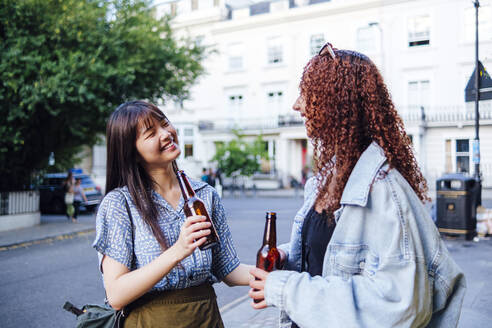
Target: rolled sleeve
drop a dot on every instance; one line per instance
(114, 230)
(274, 287)
(225, 258)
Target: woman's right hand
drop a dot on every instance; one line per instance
(193, 233)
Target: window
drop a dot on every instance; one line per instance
(235, 53)
(216, 3)
(274, 51)
(316, 42)
(219, 144)
(188, 132)
(275, 95)
(194, 5)
(178, 103)
(235, 101)
(484, 23)
(366, 39)
(199, 40)
(313, 2)
(259, 8)
(418, 95)
(275, 102)
(188, 150)
(419, 31)
(174, 9)
(463, 155)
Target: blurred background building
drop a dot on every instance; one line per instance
(424, 49)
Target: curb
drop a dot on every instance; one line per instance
(45, 240)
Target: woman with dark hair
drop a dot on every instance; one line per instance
(364, 251)
(148, 249)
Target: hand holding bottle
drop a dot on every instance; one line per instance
(257, 291)
(193, 233)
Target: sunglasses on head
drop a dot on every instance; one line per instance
(328, 49)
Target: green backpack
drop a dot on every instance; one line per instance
(97, 316)
(100, 316)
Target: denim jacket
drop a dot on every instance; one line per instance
(385, 265)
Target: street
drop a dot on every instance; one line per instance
(35, 281)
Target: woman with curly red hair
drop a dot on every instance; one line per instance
(364, 251)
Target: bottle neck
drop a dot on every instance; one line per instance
(185, 186)
(270, 234)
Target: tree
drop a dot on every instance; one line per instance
(240, 157)
(66, 64)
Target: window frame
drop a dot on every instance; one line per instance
(414, 40)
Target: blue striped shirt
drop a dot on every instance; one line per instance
(114, 238)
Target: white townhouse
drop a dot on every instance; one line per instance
(424, 49)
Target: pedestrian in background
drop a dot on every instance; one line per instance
(304, 175)
(68, 185)
(218, 176)
(364, 252)
(79, 197)
(218, 182)
(149, 251)
(205, 177)
(211, 177)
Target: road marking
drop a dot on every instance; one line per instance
(47, 240)
(232, 304)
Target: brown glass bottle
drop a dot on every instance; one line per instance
(268, 256)
(195, 206)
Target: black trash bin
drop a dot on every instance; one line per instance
(456, 204)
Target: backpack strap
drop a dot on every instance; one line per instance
(132, 226)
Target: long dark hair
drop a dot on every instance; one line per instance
(123, 165)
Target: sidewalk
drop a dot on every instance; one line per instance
(52, 227)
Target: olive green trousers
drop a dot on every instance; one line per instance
(184, 308)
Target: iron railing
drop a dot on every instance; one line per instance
(435, 115)
(17, 202)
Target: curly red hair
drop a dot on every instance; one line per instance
(347, 107)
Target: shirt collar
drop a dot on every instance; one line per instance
(197, 184)
(357, 189)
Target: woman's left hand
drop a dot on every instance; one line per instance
(257, 291)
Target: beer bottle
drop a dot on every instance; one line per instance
(195, 206)
(268, 256)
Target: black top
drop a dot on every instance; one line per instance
(316, 234)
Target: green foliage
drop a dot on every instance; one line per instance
(240, 157)
(66, 64)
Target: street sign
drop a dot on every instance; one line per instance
(485, 83)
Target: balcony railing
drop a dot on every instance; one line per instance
(446, 115)
(17, 202)
(251, 124)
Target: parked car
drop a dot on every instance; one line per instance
(52, 195)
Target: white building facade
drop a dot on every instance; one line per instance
(424, 49)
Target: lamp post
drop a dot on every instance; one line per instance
(476, 142)
(51, 159)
